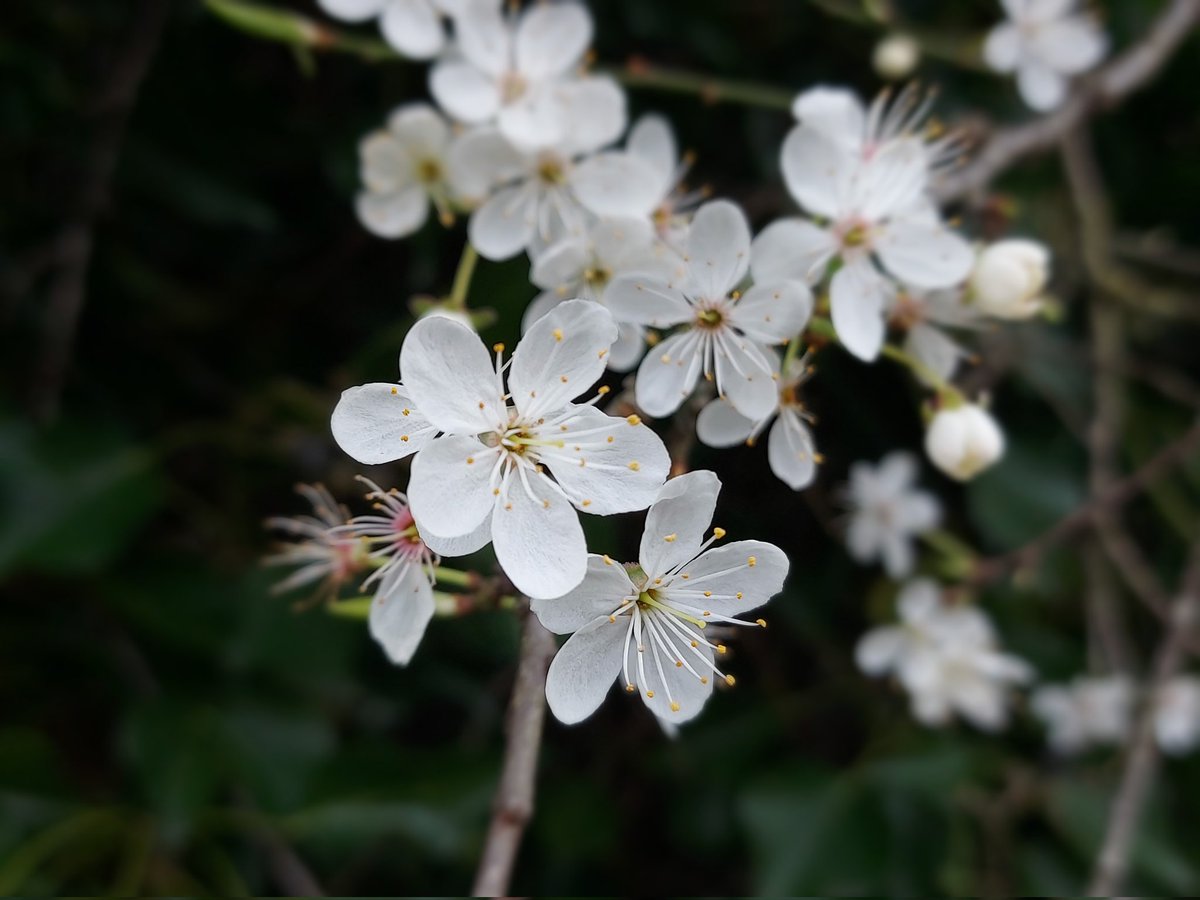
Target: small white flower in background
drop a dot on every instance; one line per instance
(924, 316)
(874, 208)
(320, 553)
(1009, 278)
(964, 440)
(652, 142)
(585, 267)
(404, 169)
(521, 73)
(412, 27)
(725, 334)
(946, 657)
(1045, 42)
(648, 624)
(403, 580)
(1177, 715)
(791, 451)
(895, 56)
(887, 511)
(1087, 712)
(513, 473)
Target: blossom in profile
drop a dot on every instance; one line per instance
(722, 333)
(1087, 712)
(1177, 715)
(927, 318)
(791, 449)
(1009, 278)
(649, 626)
(405, 169)
(945, 656)
(1045, 42)
(887, 512)
(323, 557)
(964, 440)
(514, 463)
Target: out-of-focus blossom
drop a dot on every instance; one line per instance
(1087, 712)
(320, 554)
(964, 440)
(1009, 278)
(1177, 715)
(887, 511)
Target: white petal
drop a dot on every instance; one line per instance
(463, 91)
(835, 112)
(413, 28)
(604, 588)
(485, 38)
(627, 352)
(744, 376)
(718, 249)
(459, 545)
(536, 121)
(674, 684)
(863, 538)
(898, 555)
(772, 313)
(393, 215)
(893, 180)
(677, 521)
(537, 538)
(924, 254)
(384, 163)
(352, 10)
(562, 266)
(879, 649)
(603, 476)
(668, 374)
(379, 423)
(616, 184)
(560, 357)
(720, 425)
(790, 451)
(652, 141)
(505, 224)
(1002, 49)
(726, 573)
(935, 349)
(538, 307)
(1070, 45)
(791, 249)
(551, 38)
(646, 300)
(399, 618)
(450, 377)
(583, 671)
(1041, 87)
(594, 113)
(450, 496)
(918, 513)
(857, 297)
(479, 159)
(817, 171)
(420, 129)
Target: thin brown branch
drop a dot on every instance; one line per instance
(1104, 89)
(71, 250)
(513, 804)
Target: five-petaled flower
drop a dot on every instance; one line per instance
(647, 625)
(887, 511)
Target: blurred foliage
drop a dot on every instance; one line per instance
(170, 728)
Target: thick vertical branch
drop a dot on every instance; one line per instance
(513, 804)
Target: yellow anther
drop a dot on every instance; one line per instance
(674, 706)
(562, 378)
(586, 503)
(685, 576)
(670, 538)
(718, 533)
(658, 581)
(721, 648)
(707, 612)
(470, 460)
(666, 358)
(708, 593)
(508, 506)
(406, 411)
(629, 689)
(634, 419)
(738, 595)
(752, 561)
(495, 492)
(498, 347)
(762, 623)
(650, 694)
(610, 439)
(635, 465)
(603, 389)
(818, 458)
(704, 679)
(558, 335)
(602, 354)
(679, 663)
(695, 643)
(612, 618)
(729, 680)
(607, 560)
(404, 437)
(533, 393)
(545, 504)
(395, 390)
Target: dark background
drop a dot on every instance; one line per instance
(168, 727)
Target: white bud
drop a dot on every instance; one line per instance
(964, 441)
(1009, 278)
(896, 56)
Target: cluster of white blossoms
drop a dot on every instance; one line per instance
(1098, 711)
(630, 271)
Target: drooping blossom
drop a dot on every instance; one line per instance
(1045, 42)
(946, 658)
(887, 512)
(791, 450)
(1085, 713)
(319, 553)
(925, 318)
(722, 334)
(647, 625)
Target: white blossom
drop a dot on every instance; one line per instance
(791, 450)
(520, 72)
(1009, 278)
(1044, 42)
(319, 553)
(887, 511)
(667, 200)
(1087, 712)
(924, 317)
(412, 27)
(511, 465)
(964, 440)
(648, 624)
(873, 208)
(1177, 715)
(896, 55)
(724, 333)
(946, 658)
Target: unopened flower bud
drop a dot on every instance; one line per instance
(963, 441)
(1009, 278)
(896, 56)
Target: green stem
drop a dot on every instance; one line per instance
(455, 577)
(946, 391)
(708, 89)
(353, 608)
(287, 27)
(462, 278)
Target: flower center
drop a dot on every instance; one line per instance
(856, 236)
(512, 87)
(597, 276)
(711, 318)
(429, 171)
(551, 171)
